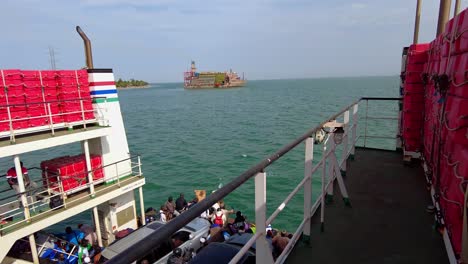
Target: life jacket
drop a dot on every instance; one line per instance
(219, 220)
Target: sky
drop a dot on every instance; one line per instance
(155, 40)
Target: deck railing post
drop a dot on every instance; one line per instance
(142, 206)
(62, 191)
(88, 167)
(139, 166)
(354, 130)
(21, 187)
(345, 142)
(365, 125)
(51, 121)
(117, 174)
(32, 244)
(322, 194)
(263, 252)
(97, 225)
(331, 171)
(46, 173)
(309, 156)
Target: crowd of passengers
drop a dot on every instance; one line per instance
(222, 226)
(74, 246)
(82, 241)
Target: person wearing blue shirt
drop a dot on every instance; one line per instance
(72, 236)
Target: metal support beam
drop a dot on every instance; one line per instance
(444, 14)
(416, 22)
(22, 189)
(309, 156)
(365, 123)
(339, 179)
(97, 225)
(345, 141)
(322, 194)
(331, 166)
(263, 252)
(88, 167)
(32, 243)
(142, 206)
(354, 130)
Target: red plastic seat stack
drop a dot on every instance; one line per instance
(431, 102)
(446, 123)
(453, 142)
(33, 92)
(71, 171)
(413, 97)
(31, 95)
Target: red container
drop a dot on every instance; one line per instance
(417, 48)
(418, 58)
(459, 76)
(412, 144)
(460, 44)
(415, 67)
(413, 77)
(414, 88)
(413, 104)
(71, 170)
(447, 38)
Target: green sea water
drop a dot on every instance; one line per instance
(202, 139)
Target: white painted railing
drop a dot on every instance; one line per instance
(21, 213)
(48, 115)
(334, 172)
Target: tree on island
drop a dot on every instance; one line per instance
(130, 83)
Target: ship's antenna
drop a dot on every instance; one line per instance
(416, 22)
(52, 58)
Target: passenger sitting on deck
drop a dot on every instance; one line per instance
(181, 203)
(279, 242)
(150, 214)
(170, 244)
(193, 202)
(219, 218)
(170, 206)
(239, 217)
(83, 252)
(162, 214)
(89, 233)
(12, 179)
(225, 211)
(241, 229)
(176, 257)
(72, 236)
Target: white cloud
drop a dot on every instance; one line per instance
(358, 6)
(126, 2)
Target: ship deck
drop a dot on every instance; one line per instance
(387, 223)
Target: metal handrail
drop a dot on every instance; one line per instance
(135, 251)
(382, 118)
(49, 116)
(135, 171)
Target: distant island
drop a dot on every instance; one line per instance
(132, 83)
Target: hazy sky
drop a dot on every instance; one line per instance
(155, 40)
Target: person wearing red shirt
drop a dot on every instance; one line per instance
(12, 179)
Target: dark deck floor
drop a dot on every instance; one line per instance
(387, 223)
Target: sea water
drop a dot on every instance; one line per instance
(201, 139)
